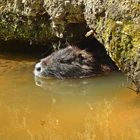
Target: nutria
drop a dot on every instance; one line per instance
(69, 62)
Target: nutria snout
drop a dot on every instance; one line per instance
(68, 62)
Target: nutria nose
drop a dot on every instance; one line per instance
(38, 69)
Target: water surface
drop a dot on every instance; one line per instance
(99, 108)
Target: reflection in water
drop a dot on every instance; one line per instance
(93, 85)
(99, 108)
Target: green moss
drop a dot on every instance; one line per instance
(14, 26)
(122, 41)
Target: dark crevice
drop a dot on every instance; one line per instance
(89, 44)
(22, 47)
(93, 46)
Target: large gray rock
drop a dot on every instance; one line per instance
(115, 23)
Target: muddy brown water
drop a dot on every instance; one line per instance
(99, 108)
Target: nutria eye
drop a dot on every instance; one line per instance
(38, 68)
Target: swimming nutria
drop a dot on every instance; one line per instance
(69, 62)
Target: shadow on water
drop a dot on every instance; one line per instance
(19, 50)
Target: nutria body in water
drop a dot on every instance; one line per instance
(69, 62)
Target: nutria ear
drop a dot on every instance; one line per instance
(82, 54)
(81, 58)
(70, 47)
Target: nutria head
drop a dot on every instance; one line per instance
(65, 63)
